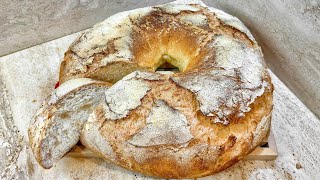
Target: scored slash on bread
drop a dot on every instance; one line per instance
(56, 126)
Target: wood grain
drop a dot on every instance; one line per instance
(265, 153)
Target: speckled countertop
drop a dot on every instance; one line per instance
(28, 76)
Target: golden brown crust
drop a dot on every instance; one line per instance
(151, 36)
(213, 148)
(220, 102)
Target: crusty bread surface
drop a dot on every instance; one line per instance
(160, 131)
(142, 39)
(193, 123)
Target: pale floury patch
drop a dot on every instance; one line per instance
(164, 126)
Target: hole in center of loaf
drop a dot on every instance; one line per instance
(168, 63)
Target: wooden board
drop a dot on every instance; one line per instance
(266, 151)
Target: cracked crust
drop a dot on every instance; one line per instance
(223, 89)
(143, 141)
(201, 41)
(137, 39)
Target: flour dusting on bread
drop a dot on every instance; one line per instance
(93, 139)
(177, 8)
(232, 21)
(233, 54)
(164, 126)
(56, 127)
(188, 124)
(124, 96)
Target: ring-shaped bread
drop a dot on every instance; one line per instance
(193, 123)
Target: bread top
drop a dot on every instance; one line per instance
(217, 56)
(222, 95)
(183, 30)
(114, 38)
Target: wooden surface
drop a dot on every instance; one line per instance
(28, 76)
(267, 150)
(263, 152)
(260, 153)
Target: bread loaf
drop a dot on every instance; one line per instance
(56, 126)
(193, 123)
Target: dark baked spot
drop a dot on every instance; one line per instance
(85, 106)
(65, 115)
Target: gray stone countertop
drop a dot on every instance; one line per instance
(28, 76)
